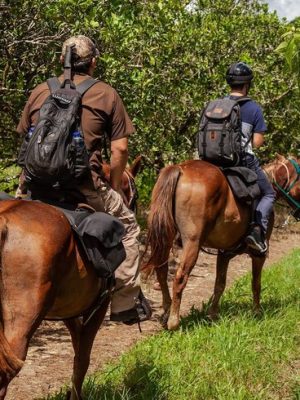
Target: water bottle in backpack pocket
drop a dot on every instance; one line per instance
(81, 158)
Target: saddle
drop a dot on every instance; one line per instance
(99, 235)
(243, 183)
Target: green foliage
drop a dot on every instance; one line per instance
(240, 357)
(9, 177)
(166, 59)
(290, 49)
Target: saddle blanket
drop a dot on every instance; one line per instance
(243, 183)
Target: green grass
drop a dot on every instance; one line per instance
(239, 357)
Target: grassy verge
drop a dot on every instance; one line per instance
(239, 357)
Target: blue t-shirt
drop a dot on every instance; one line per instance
(252, 122)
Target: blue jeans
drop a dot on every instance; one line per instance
(265, 204)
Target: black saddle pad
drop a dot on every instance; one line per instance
(101, 236)
(243, 183)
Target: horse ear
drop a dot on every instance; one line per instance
(136, 165)
(279, 157)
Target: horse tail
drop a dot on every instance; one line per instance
(161, 223)
(10, 364)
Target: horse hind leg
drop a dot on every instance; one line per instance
(82, 339)
(162, 277)
(189, 257)
(220, 284)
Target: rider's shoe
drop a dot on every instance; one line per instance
(256, 240)
(140, 312)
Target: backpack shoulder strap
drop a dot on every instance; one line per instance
(243, 99)
(86, 85)
(53, 84)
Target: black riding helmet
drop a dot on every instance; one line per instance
(239, 73)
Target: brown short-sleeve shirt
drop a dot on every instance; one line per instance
(102, 111)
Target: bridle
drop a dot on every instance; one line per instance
(285, 191)
(133, 193)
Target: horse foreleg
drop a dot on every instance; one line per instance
(82, 339)
(220, 284)
(257, 265)
(188, 260)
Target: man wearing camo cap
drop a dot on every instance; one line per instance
(103, 112)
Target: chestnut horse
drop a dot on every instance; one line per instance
(44, 275)
(195, 201)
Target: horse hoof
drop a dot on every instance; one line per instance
(68, 396)
(257, 311)
(213, 313)
(213, 316)
(163, 319)
(173, 324)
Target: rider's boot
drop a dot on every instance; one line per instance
(141, 312)
(256, 240)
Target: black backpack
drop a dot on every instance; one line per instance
(55, 155)
(220, 132)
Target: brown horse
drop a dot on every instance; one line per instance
(194, 200)
(44, 275)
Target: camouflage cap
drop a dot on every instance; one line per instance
(84, 47)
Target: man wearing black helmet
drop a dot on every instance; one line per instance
(239, 76)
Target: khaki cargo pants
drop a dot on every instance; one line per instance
(104, 198)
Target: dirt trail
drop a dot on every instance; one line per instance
(49, 361)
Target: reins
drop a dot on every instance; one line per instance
(286, 191)
(133, 196)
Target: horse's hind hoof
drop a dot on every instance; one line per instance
(257, 312)
(213, 314)
(68, 396)
(213, 317)
(173, 324)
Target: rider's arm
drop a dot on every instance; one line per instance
(259, 128)
(118, 161)
(121, 128)
(258, 139)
